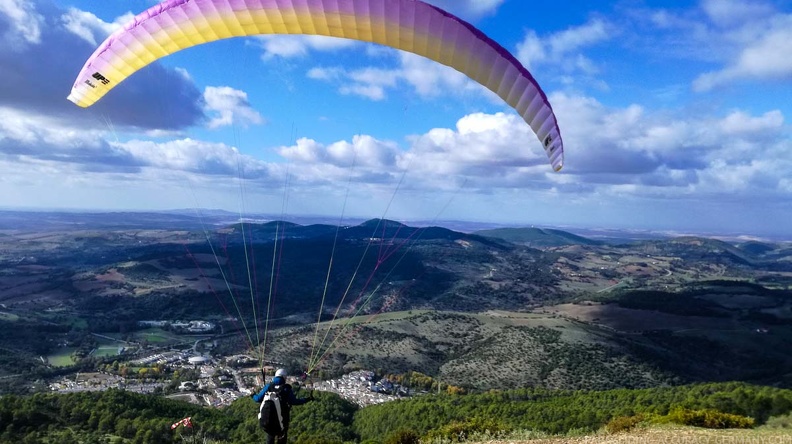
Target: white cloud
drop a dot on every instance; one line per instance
(674, 155)
(193, 156)
(369, 91)
(724, 177)
(25, 22)
(763, 57)
(426, 77)
(369, 82)
(739, 122)
(610, 152)
(496, 150)
(31, 129)
(34, 139)
(35, 77)
(229, 106)
(488, 149)
(288, 46)
(627, 154)
(563, 48)
(731, 12)
(364, 151)
(573, 39)
(746, 40)
(318, 73)
(89, 27)
(184, 73)
(430, 78)
(531, 49)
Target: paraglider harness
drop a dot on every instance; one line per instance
(275, 407)
(274, 410)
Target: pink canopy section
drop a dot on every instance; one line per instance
(408, 25)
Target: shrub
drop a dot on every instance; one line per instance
(403, 437)
(779, 422)
(461, 431)
(711, 419)
(623, 423)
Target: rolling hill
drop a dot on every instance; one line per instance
(538, 237)
(572, 313)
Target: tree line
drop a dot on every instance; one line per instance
(117, 416)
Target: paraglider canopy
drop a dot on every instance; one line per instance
(408, 25)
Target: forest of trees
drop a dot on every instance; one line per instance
(117, 416)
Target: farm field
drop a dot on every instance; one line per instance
(62, 358)
(160, 337)
(104, 351)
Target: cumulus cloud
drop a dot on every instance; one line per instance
(486, 150)
(288, 46)
(131, 175)
(31, 129)
(369, 82)
(229, 106)
(31, 138)
(739, 122)
(89, 27)
(39, 140)
(430, 78)
(674, 154)
(426, 77)
(745, 40)
(625, 154)
(365, 159)
(481, 145)
(564, 48)
(38, 79)
(20, 23)
(190, 155)
(731, 12)
(611, 152)
(763, 57)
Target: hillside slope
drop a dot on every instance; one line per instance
(537, 237)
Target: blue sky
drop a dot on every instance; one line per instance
(675, 117)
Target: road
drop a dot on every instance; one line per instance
(113, 339)
(610, 288)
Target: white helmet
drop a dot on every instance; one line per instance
(281, 372)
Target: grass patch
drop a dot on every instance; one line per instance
(106, 350)
(80, 324)
(63, 318)
(8, 317)
(653, 434)
(62, 358)
(156, 336)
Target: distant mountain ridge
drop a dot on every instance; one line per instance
(375, 230)
(538, 237)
